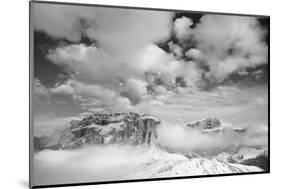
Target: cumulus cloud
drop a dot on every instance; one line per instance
(134, 90)
(176, 49)
(112, 28)
(91, 64)
(120, 37)
(195, 54)
(226, 43)
(125, 70)
(119, 58)
(40, 91)
(93, 97)
(47, 16)
(94, 65)
(182, 28)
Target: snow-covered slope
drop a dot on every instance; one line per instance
(158, 163)
(242, 154)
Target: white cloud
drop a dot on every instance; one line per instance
(151, 58)
(91, 64)
(124, 70)
(227, 43)
(93, 97)
(39, 91)
(194, 54)
(112, 28)
(59, 21)
(47, 124)
(176, 49)
(182, 28)
(121, 36)
(228, 103)
(178, 137)
(134, 90)
(89, 164)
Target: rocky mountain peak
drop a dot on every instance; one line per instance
(130, 128)
(205, 124)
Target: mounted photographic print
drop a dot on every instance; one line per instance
(122, 94)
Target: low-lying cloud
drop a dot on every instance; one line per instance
(178, 137)
(89, 164)
(116, 162)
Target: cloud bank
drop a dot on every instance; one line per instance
(185, 140)
(89, 164)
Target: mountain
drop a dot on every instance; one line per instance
(159, 163)
(126, 128)
(259, 161)
(212, 125)
(205, 124)
(247, 156)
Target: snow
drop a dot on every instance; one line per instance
(157, 163)
(107, 128)
(149, 117)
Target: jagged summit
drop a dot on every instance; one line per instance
(117, 128)
(205, 124)
(135, 129)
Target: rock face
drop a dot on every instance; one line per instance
(40, 143)
(205, 125)
(129, 128)
(212, 125)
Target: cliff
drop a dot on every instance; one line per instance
(102, 129)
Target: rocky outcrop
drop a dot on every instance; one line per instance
(102, 129)
(40, 142)
(213, 125)
(118, 128)
(204, 125)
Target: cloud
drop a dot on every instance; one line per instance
(182, 28)
(125, 70)
(177, 137)
(228, 44)
(229, 103)
(134, 90)
(120, 36)
(195, 54)
(40, 92)
(47, 124)
(91, 64)
(93, 97)
(70, 27)
(258, 72)
(176, 49)
(95, 163)
(112, 28)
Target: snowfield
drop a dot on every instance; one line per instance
(158, 163)
(115, 162)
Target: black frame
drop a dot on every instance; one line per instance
(31, 63)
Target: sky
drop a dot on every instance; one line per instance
(173, 65)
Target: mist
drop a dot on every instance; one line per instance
(178, 137)
(89, 164)
(119, 162)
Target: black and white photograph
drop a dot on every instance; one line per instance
(127, 94)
